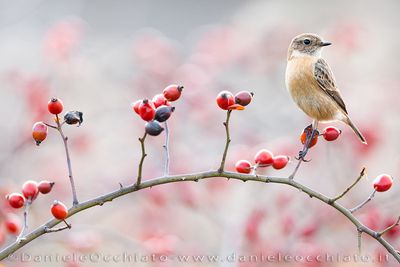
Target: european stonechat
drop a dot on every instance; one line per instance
(311, 84)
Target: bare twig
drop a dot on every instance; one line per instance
(381, 233)
(67, 226)
(166, 147)
(362, 173)
(51, 126)
(140, 168)
(71, 178)
(100, 200)
(228, 140)
(363, 203)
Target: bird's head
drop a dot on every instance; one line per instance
(306, 44)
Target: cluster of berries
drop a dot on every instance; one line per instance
(263, 158)
(227, 101)
(158, 109)
(55, 107)
(30, 191)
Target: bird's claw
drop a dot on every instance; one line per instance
(302, 155)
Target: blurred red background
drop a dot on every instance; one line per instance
(100, 56)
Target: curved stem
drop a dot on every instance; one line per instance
(140, 168)
(71, 178)
(228, 140)
(166, 147)
(99, 201)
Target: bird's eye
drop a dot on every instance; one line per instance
(307, 41)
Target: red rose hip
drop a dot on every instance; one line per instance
(135, 106)
(264, 158)
(280, 162)
(172, 92)
(303, 137)
(243, 98)
(39, 132)
(243, 166)
(16, 200)
(331, 133)
(160, 100)
(12, 224)
(45, 187)
(30, 190)
(383, 183)
(225, 99)
(59, 210)
(55, 106)
(147, 110)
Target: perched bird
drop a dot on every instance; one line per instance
(311, 84)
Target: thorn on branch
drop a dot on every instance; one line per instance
(359, 234)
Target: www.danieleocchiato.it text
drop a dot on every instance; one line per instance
(126, 257)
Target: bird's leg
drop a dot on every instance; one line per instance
(311, 131)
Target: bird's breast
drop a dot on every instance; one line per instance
(305, 90)
(300, 74)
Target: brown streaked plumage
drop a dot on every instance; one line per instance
(311, 84)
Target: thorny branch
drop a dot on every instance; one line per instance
(48, 227)
(100, 200)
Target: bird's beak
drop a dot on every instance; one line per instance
(325, 43)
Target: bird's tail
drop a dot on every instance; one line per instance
(355, 129)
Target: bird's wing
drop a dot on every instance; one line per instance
(326, 82)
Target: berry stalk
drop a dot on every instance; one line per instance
(140, 169)
(228, 140)
(25, 226)
(363, 203)
(71, 178)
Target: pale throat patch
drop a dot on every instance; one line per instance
(297, 53)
